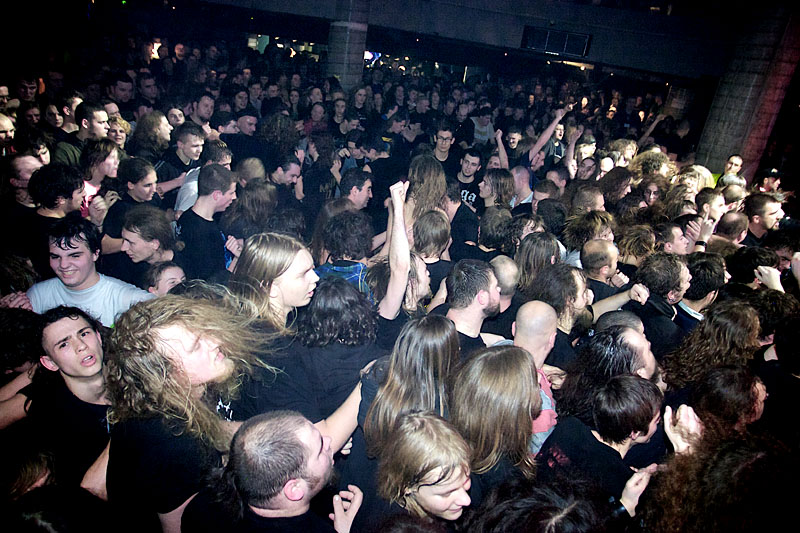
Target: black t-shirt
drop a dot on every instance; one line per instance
(38, 246)
(562, 353)
(439, 271)
(17, 216)
(470, 192)
(74, 431)
(601, 290)
(389, 330)
(115, 219)
(154, 468)
(572, 448)
(501, 324)
(452, 165)
(469, 344)
(205, 245)
(205, 515)
(464, 226)
(171, 167)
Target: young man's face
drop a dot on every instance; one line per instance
(144, 189)
(319, 462)
(199, 358)
(98, 125)
(247, 124)
(122, 91)
(470, 165)
(74, 202)
(288, 176)
(444, 140)
(73, 348)
(513, 139)
(149, 89)
(227, 198)
(773, 213)
(204, 108)
(137, 248)
(295, 287)
(75, 267)
(191, 147)
(733, 165)
(361, 197)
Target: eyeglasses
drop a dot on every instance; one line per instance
(443, 139)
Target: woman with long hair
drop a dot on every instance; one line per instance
(494, 400)
(171, 363)
(320, 179)
(151, 138)
(728, 334)
(413, 378)
(330, 208)
(425, 468)
(536, 251)
(497, 188)
(248, 214)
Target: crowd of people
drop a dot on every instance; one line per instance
(238, 297)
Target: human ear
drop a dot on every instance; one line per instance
(48, 363)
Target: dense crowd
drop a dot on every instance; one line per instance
(236, 297)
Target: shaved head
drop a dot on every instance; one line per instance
(535, 329)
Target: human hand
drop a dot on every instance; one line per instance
(344, 152)
(398, 193)
(770, 277)
(98, 210)
(634, 489)
(575, 135)
(563, 111)
(348, 447)
(619, 279)
(639, 293)
(683, 428)
(234, 245)
(345, 507)
(300, 154)
(498, 136)
(16, 300)
(336, 166)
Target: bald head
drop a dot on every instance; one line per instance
(535, 329)
(507, 273)
(599, 257)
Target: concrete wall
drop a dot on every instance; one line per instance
(636, 40)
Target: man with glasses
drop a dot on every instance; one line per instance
(443, 142)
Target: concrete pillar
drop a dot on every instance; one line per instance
(347, 41)
(751, 91)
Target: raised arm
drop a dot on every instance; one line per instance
(569, 153)
(548, 132)
(342, 422)
(399, 255)
(501, 149)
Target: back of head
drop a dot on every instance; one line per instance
(535, 252)
(557, 285)
(467, 278)
(636, 241)
(747, 259)
(708, 275)
(596, 254)
(214, 177)
(725, 397)
(427, 183)
(507, 274)
(618, 317)
(585, 227)
(250, 169)
(731, 225)
(431, 234)
(266, 453)
(660, 273)
(53, 181)
(625, 404)
(494, 399)
(554, 215)
(348, 235)
(494, 228)
(338, 314)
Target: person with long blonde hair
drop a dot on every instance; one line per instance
(493, 401)
(173, 364)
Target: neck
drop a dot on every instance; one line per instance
(441, 156)
(205, 207)
(96, 178)
(69, 126)
(89, 390)
(505, 302)
(758, 231)
(523, 192)
(51, 213)
(21, 196)
(183, 157)
(566, 322)
(697, 306)
(160, 256)
(83, 134)
(621, 448)
(465, 179)
(292, 509)
(197, 120)
(468, 320)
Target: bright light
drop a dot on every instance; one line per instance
(279, 45)
(292, 52)
(406, 58)
(583, 68)
(154, 55)
(403, 68)
(368, 55)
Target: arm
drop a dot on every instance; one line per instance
(569, 153)
(638, 293)
(501, 149)
(110, 245)
(342, 422)
(95, 478)
(171, 521)
(548, 132)
(12, 410)
(166, 186)
(649, 131)
(399, 256)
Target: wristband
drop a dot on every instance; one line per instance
(701, 243)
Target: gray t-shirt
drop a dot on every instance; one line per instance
(105, 300)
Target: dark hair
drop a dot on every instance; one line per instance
(554, 215)
(660, 272)
(21, 338)
(618, 317)
(605, 355)
(354, 177)
(86, 111)
(706, 196)
(772, 306)
(188, 129)
(547, 187)
(214, 151)
(724, 396)
(756, 203)
(614, 184)
(535, 252)
(72, 229)
(151, 223)
(494, 226)
(96, 152)
(134, 169)
(556, 285)
(466, 279)
(453, 191)
(290, 222)
(708, 274)
(55, 314)
(664, 233)
(747, 259)
(214, 177)
(54, 181)
(785, 339)
(338, 313)
(625, 404)
(154, 272)
(431, 233)
(348, 234)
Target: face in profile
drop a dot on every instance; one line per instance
(446, 498)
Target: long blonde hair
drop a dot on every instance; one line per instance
(144, 380)
(264, 258)
(427, 184)
(493, 402)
